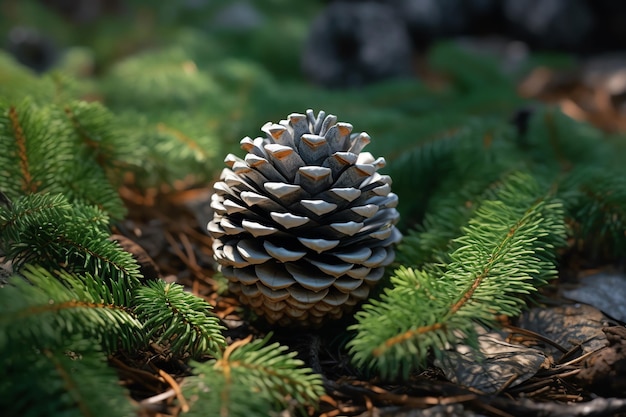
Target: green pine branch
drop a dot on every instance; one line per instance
(46, 229)
(178, 319)
(595, 198)
(44, 149)
(555, 142)
(251, 377)
(96, 134)
(436, 164)
(71, 380)
(431, 241)
(101, 154)
(507, 251)
(42, 308)
(33, 152)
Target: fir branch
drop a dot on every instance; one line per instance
(35, 208)
(72, 380)
(508, 249)
(47, 230)
(42, 309)
(418, 168)
(41, 150)
(95, 132)
(20, 141)
(92, 216)
(559, 143)
(85, 184)
(249, 378)
(174, 146)
(448, 211)
(99, 152)
(33, 150)
(437, 164)
(178, 318)
(595, 199)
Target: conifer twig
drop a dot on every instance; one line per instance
(508, 248)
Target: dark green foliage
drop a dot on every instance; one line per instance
(555, 142)
(54, 331)
(97, 138)
(31, 155)
(251, 369)
(443, 154)
(596, 200)
(477, 72)
(586, 168)
(12, 74)
(47, 149)
(46, 229)
(175, 147)
(179, 319)
(73, 381)
(168, 78)
(43, 308)
(169, 109)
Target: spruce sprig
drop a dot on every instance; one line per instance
(178, 319)
(431, 241)
(506, 251)
(71, 380)
(33, 150)
(43, 308)
(95, 134)
(251, 377)
(595, 198)
(46, 229)
(48, 149)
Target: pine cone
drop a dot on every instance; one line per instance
(303, 226)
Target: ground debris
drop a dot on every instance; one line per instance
(604, 372)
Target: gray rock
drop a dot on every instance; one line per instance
(354, 44)
(550, 24)
(32, 48)
(428, 20)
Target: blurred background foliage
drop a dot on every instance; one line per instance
(186, 80)
(184, 87)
